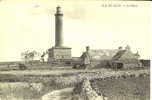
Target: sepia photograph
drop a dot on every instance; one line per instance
(74, 50)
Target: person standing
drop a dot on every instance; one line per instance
(86, 58)
(42, 57)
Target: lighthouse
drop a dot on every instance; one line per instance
(59, 51)
(59, 28)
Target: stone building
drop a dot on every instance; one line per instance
(125, 59)
(100, 57)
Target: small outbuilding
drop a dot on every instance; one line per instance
(125, 59)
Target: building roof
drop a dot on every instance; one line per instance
(125, 55)
(118, 54)
(103, 54)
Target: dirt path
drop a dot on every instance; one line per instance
(63, 94)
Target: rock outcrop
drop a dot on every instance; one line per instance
(84, 91)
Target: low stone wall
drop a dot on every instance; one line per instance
(84, 91)
(145, 62)
(72, 80)
(129, 66)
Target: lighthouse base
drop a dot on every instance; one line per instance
(59, 53)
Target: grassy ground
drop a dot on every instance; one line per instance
(119, 89)
(124, 89)
(115, 88)
(19, 91)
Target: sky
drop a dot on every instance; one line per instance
(30, 25)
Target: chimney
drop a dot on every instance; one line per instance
(127, 48)
(120, 48)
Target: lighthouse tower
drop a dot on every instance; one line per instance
(58, 28)
(59, 51)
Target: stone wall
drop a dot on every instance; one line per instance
(84, 91)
